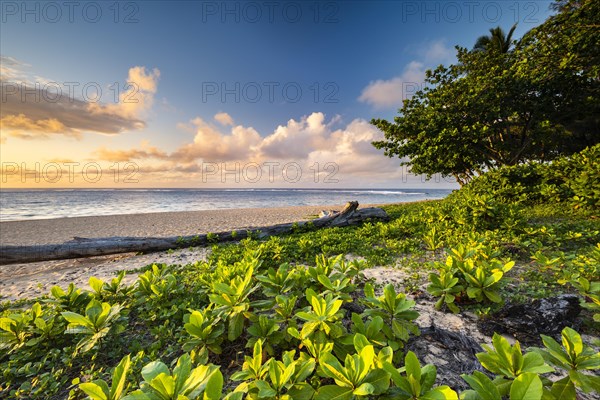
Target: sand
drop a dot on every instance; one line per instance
(30, 280)
(44, 231)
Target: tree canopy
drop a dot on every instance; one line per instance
(497, 40)
(536, 101)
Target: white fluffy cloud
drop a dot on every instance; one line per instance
(210, 144)
(309, 140)
(223, 118)
(389, 93)
(296, 139)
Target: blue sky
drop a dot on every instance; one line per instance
(193, 60)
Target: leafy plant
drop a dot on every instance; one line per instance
(508, 361)
(72, 300)
(338, 286)
(206, 331)
(99, 389)
(323, 316)
(113, 287)
(267, 329)
(98, 321)
(181, 384)
(254, 369)
(371, 330)
(432, 239)
(233, 302)
(396, 312)
(445, 285)
(590, 293)
(418, 382)
(286, 379)
(324, 266)
(157, 285)
(14, 330)
(574, 357)
(358, 377)
(277, 282)
(483, 281)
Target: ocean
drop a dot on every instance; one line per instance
(22, 204)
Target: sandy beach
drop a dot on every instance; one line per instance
(34, 279)
(43, 231)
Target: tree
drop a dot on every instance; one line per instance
(503, 108)
(496, 41)
(562, 59)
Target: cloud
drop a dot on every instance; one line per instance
(40, 110)
(390, 93)
(25, 128)
(297, 139)
(211, 144)
(12, 69)
(147, 151)
(306, 141)
(223, 118)
(136, 99)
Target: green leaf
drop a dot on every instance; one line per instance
(482, 385)
(527, 386)
(96, 284)
(153, 369)
(76, 319)
(572, 341)
(534, 362)
(137, 395)
(164, 384)
(493, 296)
(473, 292)
(563, 389)
(364, 390)
(264, 389)
(360, 341)
(333, 392)
(301, 391)
(379, 379)
(333, 369)
(119, 377)
(236, 327)
(413, 367)
(440, 393)
(181, 372)
(428, 375)
(214, 386)
(94, 391)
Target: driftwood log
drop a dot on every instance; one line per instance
(88, 247)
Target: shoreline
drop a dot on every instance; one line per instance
(156, 224)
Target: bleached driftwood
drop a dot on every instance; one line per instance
(88, 247)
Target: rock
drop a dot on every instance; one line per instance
(453, 354)
(526, 322)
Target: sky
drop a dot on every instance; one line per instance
(209, 94)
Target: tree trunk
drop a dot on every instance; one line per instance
(88, 247)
